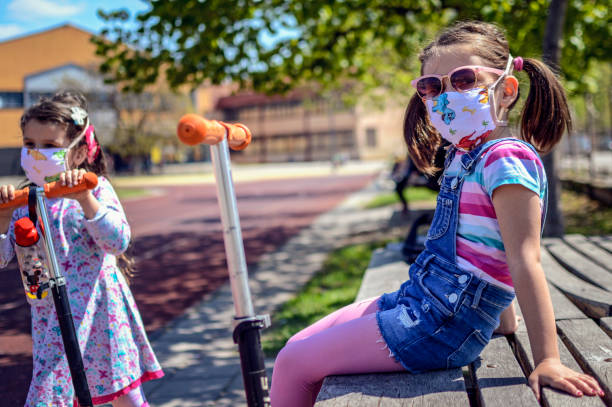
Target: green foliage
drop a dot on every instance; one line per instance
(277, 45)
(335, 286)
(412, 194)
(128, 193)
(585, 216)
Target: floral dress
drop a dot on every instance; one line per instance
(116, 352)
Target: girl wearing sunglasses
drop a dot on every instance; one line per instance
(482, 248)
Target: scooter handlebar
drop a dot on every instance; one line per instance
(53, 190)
(21, 199)
(193, 129)
(56, 189)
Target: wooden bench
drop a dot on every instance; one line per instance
(579, 271)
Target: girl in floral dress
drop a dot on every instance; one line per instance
(91, 234)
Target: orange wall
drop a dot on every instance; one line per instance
(39, 52)
(36, 53)
(9, 126)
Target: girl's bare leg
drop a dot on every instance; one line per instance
(508, 321)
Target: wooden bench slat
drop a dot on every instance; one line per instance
(439, 388)
(592, 348)
(593, 301)
(606, 325)
(553, 397)
(387, 271)
(579, 264)
(604, 242)
(591, 250)
(499, 379)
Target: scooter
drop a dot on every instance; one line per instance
(192, 130)
(35, 199)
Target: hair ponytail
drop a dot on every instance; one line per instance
(421, 137)
(545, 116)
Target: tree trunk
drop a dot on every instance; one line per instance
(551, 53)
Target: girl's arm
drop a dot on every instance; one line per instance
(7, 193)
(104, 217)
(519, 216)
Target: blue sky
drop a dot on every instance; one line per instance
(19, 17)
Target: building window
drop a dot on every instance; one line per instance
(11, 100)
(371, 139)
(34, 97)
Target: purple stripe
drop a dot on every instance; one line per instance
(511, 152)
(475, 197)
(486, 211)
(493, 267)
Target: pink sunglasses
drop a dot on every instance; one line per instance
(461, 79)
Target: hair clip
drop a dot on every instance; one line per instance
(93, 148)
(78, 115)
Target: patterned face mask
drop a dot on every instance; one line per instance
(466, 118)
(462, 118)
(42, 165)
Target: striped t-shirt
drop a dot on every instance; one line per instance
(480, 249)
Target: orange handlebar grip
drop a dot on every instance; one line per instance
(21, 199)
(238, 136)
(56, 190)
(193, 129)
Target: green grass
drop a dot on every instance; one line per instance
(412, 194)
(585, 216)
(331, 288)
(126, 193)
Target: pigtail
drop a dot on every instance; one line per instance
(421, 137)
(545, 116)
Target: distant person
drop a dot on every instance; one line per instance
(91, 234)
(483, 246)
(401, 173)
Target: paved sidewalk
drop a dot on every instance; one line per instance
(198, 355)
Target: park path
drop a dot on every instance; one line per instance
(179, 251)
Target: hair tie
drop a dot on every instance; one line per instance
(93, 148)
(518, 64)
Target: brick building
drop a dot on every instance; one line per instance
(300, 126)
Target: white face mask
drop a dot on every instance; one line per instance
(43, 165)
(467, 118)
(462, 118)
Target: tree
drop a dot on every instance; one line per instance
(145, 120)
(276, 45)
(551, 53)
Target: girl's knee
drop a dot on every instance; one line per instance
(288, 356)
(296, 337)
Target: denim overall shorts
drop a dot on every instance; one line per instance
(442, 317)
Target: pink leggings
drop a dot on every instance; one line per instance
(346, 341)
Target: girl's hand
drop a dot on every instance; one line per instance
(88, 202)
(551, 372)
(7, 193)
